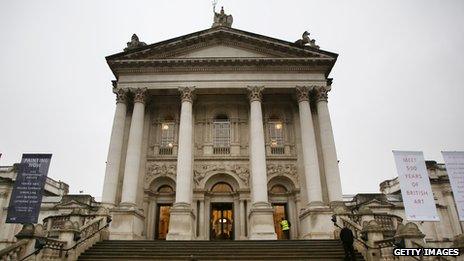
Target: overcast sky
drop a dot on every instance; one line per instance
(398, 82)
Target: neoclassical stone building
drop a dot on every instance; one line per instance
(219, 134)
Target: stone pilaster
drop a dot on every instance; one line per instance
(329, 153)
(113, 161)
(261, 212)
(181, 224)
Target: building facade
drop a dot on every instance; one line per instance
(219, 134)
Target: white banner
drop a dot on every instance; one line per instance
(454, 161)
(418, 200)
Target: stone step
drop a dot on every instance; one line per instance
(216, 250)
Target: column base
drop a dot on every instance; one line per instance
(262, 222)
(181, 222)
(316, 223)
(126, 224)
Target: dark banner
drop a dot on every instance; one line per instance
(27, 191)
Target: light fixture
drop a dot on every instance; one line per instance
(278, 126)
(170, 144)
(165, 127)
(273, 143)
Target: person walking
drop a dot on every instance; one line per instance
(347, 238)
(285, 226)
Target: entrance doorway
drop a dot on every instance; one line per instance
(280, 211)
(222, 221)
(162, 221)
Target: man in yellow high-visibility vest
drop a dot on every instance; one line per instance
(285, 226)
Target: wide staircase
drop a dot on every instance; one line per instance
(216, 250)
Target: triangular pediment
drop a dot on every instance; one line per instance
(220, 51)
(71, 204)
(222, 43)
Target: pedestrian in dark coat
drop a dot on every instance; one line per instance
(347, 238)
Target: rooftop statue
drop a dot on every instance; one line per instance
(222, 19)
(306, 40)
(134, 43)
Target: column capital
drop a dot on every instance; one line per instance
(140, 95)
(255, 93)
(186, 93)
(302, 92)
(322, 93)
(121, 95)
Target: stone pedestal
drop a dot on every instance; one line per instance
(181, 223)
(316, 223)
(127, 224)
(262, 222)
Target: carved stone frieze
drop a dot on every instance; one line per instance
(240, 170)
(155, 169)
(283, 169)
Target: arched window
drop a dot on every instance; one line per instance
(167, 136)
(221, 134)
(221, 187)
(278, 189)
(165, 189)
(276, 135)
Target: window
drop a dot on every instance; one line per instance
(276, 136)
(167, 138)
(221, 135)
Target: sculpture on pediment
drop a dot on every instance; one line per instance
(306, 40)
(240, 170)
(134, 43)
(222, 19)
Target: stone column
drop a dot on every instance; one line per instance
(181, 224)
(315, 218)
(128, 220)
(261, 212)
(114, 152)
(329, 153)
(308, 140)
(134, 150)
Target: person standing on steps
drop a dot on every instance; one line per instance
(347, 238)
(285, 226)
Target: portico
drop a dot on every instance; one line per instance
(223, 131)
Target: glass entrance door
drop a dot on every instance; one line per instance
(222, 221)
(280, 211)
(162, 222)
